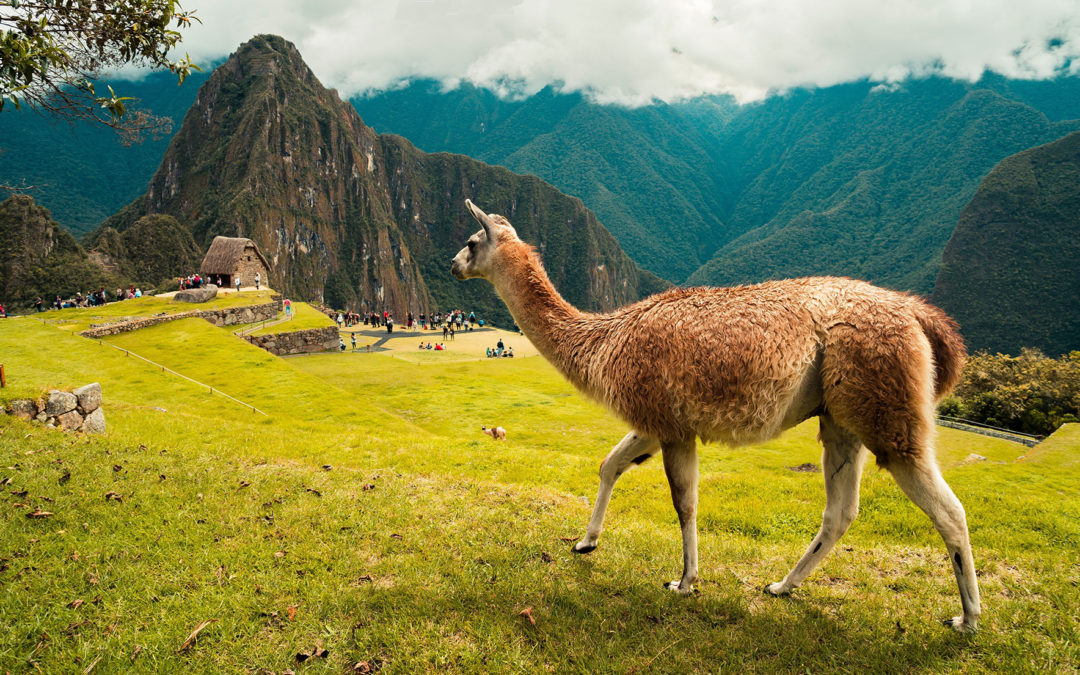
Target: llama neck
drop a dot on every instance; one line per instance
(550, 322)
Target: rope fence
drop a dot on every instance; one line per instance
(196, 382)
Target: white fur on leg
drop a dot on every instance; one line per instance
(928, 489)
(842, 463)
(681, 467)
(633, 449)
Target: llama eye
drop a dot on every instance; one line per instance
(472, 245)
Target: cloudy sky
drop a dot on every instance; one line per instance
(631, 51)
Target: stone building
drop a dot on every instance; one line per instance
(230, 257)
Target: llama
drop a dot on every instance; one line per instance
(742, 364)
(497, 433)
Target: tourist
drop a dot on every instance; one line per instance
(237, 283)
(487, 352)
(451, 332)
(390, 322)
(499, 348)
(288, 307)
(354, 341)
(257, 277)
(510, 352)
(3, 314)
(439, 347)
(38, 303)
(138, 292)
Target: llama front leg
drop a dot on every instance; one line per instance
(681, 467)
(842, 463)
(632, 450)
(923, 483)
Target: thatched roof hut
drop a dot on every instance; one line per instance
(232, 257)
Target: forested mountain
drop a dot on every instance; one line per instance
(346, 215)
(38, 258)
(855, 179)
(84, 173)
(1011, 272)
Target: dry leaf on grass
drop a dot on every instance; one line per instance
(38, 513)
(194, 634)
(292, 612)
(317, 653)
(243, 484)
(65, 478)
(74, 604)
(527, 613)
(136, 652)
(327, 467)
(117, 467)
(114, 496)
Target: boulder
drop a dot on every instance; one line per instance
(25, 408)
(94, 422)
(60, 402)
(69, 421)
(89, 397)
(197, 294)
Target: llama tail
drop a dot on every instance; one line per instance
(947, 345)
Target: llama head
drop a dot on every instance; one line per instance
(478, 257)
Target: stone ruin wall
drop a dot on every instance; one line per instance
(246, 269)
(298, 342)
(78, 410)
(228, 316)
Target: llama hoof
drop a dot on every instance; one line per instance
(676, 588)
(583, 548)
(777, 589)
(958, 624)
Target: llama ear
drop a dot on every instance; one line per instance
(484, 219)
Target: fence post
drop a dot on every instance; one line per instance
(3, 378)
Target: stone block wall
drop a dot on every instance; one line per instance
(78, 410)
(231, 316)
(298, 342)
(248, 265)
(228, 316)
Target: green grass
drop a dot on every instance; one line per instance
(79, 319)
(234, 532)
(304, 317)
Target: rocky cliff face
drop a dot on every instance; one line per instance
(346, 216)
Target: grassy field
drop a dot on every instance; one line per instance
(79, 319)
(304, 316)
(366, 515)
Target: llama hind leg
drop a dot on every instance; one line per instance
(924, 484)
(842, 464)
(632, 450)
(681, 467)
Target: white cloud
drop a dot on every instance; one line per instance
(632, 51)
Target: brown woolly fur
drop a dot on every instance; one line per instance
(742, 364)
(725, 363)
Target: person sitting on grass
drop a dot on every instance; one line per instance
(439, 347)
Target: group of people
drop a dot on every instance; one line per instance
(499, 351)
(121, 294)
(439, 346)
(90, 299)
(194, 281)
